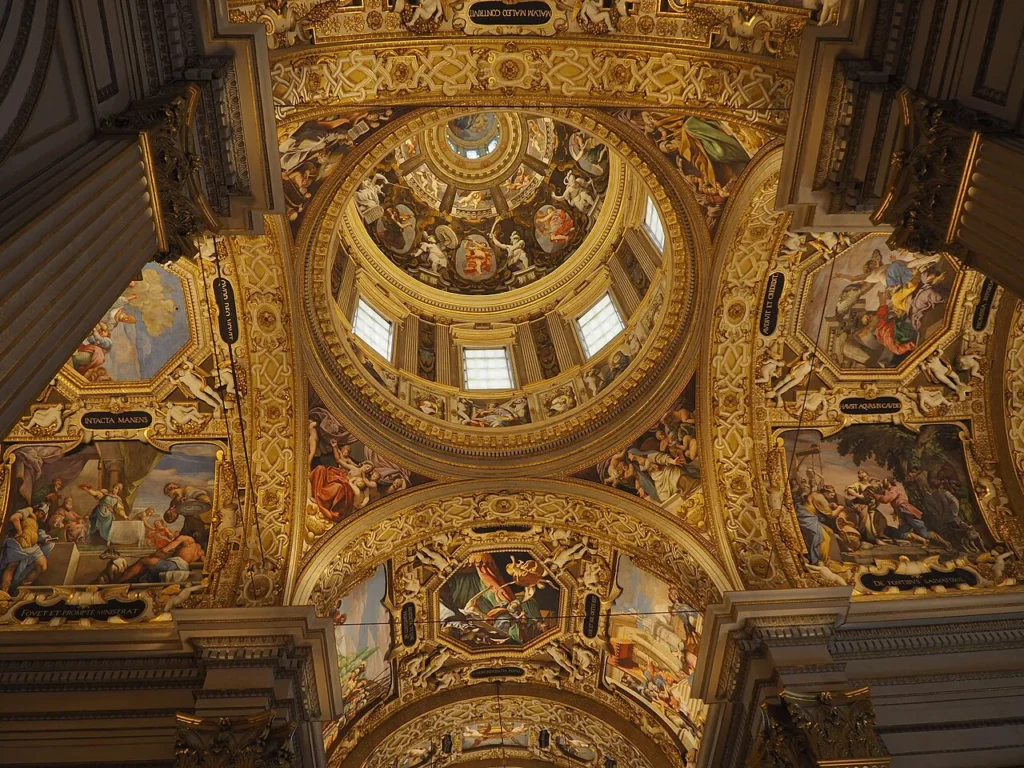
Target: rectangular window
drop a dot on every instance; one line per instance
(375, 330)
(599, 325)
(654, 225)
(487, 369)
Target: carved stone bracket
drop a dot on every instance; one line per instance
(831, 728)
(234, 742)
(927, 174)
(165, 124)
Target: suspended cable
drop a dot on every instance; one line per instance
(501, 722)
(238, 404)
(807, 387)
(469, 620)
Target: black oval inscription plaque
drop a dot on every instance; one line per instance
(485, 672)
(525, 13)
(865, 406)
(981, 312)
(408, 625)
(228, 319)
(591, 615)
(770, 303)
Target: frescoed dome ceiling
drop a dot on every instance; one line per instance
(563, 221)
(486, 202)
(561, 532)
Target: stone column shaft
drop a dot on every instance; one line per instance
(567, 344)
(448, 367)
(60, 271)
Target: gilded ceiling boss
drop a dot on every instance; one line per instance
(521, 383)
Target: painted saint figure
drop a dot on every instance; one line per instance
(109, 507)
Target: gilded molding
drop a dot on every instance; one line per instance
(592, 71)
(450, 449)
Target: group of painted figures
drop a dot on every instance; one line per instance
(877, 512)
(178, 536)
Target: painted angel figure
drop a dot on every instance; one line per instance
(368, 196)
(595, 14)
(433, 254)
(426, 10)
(576, 194)
(516, 249)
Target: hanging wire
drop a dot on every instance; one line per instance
(807, 387)
(238, 405)
(501, 722)
(432, 622)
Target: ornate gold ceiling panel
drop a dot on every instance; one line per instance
(417, 587)
(769, 31)
(646, 367)
(496, 72)
(140, 465)
(853, 379)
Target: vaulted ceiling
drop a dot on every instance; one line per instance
(519, 573)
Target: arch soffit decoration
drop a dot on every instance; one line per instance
(660, 543)
(613, 733)
(639, 399)
(497, 72)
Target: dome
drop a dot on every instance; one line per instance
(486, 202)
(530, 276)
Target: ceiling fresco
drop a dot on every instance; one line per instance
(507, 600)
(711, 155)
(779, 410)
(485, 202)
(312, 149)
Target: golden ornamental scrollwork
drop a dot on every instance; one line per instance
(770, 381)
(591, 71)
(275, 461)
(729, 363)
(340, 560)
(483, 709)
(1012, 390)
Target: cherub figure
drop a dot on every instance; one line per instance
(798, 373)
(593, 15)
(576, 193)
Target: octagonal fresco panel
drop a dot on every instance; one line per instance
(879, 307)
(499, 600)
(144, 329)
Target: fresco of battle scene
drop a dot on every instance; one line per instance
(879, 491)
(446, 230)
(107, 512)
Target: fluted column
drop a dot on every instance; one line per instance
(70, 244)
(987, 221)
